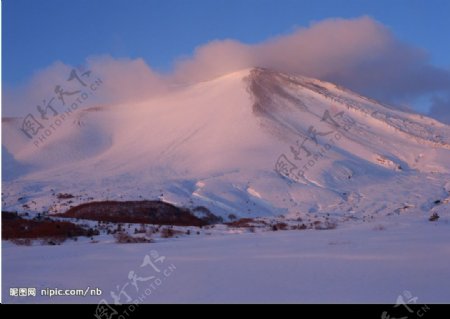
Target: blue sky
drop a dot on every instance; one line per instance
(38, 33)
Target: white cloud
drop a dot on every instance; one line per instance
(361, 54)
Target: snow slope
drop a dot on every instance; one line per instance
(234, 145)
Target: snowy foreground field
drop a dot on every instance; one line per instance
(355, 263)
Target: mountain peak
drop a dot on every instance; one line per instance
(251, 143)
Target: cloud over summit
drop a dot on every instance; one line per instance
(361, 54)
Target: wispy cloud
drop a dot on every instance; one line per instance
(440, 108)
(361, 54)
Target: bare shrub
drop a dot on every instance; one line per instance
(151, 230)
(21, 241)
(279, 226)
(299, 227)
(64, 196)
(325, 225)
(243, 222)
(141, 230)
(379, 228)
(53, 241)
(168, 232)
(434, 217)
(124, 238)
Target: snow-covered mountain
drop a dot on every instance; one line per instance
(251, 143)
